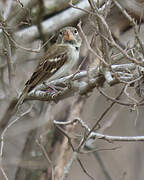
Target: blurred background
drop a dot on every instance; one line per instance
(33, 147)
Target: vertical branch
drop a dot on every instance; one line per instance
(8, 54)
(65, 150)
(39, 19)
(103, 28)
(132, 21)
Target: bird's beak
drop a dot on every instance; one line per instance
(68, 36)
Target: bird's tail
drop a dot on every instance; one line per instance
(21, 98)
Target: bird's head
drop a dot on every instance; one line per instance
(69, 35)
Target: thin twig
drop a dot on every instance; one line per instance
(11, 73)
(3, 136)
(89, 47)
(98, 121)
(8, 126)
(83, 168)
(132, 21)
(46, 155)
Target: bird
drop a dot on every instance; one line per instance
(56, 62)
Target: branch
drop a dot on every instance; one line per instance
(123, 73)
(116, 138)
(10, 66)
(49, 26)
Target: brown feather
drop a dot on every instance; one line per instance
(59, 57)
(45, 69)
(46, 65)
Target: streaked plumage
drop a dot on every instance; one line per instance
(58, 60)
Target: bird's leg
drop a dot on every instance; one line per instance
(48, 87)
(53, 90)
(58, 91)
(69, 83)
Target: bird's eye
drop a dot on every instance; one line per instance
(75, 31)
(60, 33)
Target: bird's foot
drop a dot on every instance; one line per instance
(54, 95)
(69, 83)
(54, 91)
(53, 88)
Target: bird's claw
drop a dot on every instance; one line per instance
(68, 83)
(54, 95)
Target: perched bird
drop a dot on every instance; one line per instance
(58, 60)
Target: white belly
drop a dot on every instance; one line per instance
(72, 60)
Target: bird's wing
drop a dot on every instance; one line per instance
(55, 57)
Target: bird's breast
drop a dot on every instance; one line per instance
(73, 56)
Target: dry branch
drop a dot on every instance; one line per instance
(113, 69)
(49, 26)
